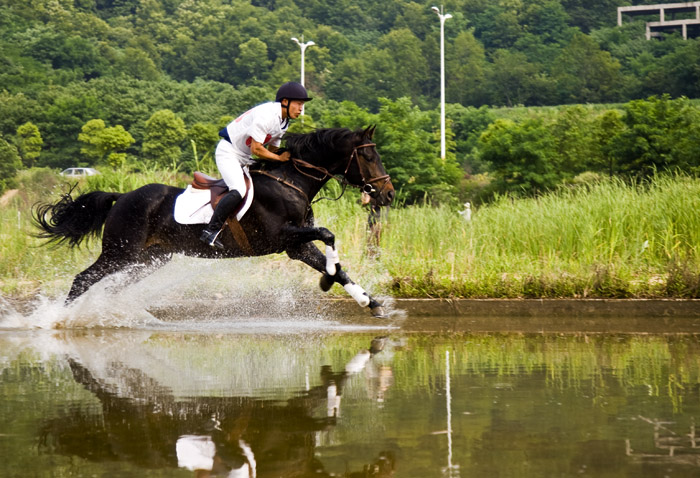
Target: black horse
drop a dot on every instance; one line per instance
(140, 228)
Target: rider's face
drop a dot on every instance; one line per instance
(295, 107)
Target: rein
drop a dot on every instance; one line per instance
(300, 163)
(283, 181)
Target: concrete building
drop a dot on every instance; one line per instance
(688, 24)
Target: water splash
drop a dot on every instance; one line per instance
(251, 295)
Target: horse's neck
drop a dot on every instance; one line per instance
(307, 179)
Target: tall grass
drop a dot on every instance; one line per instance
(608, 239)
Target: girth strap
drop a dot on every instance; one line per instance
(239, 235)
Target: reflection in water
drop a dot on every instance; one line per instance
(117, 403)
(145, 423)
(669, 446)
(452, 470)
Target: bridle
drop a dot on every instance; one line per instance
(366, 186)
(366, 183)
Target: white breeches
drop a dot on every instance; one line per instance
(230, 167)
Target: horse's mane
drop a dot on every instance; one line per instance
(319, 141)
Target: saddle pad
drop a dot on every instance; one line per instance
(193, 206)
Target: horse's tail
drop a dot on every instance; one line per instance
(72, 220)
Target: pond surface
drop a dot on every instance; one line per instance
(314, 398)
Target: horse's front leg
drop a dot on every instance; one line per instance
(328, 265)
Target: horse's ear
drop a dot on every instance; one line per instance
(369, 132)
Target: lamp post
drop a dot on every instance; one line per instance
(303, 47)
(443, 17)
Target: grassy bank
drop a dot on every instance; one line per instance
(604, 240)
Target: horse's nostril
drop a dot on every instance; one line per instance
(390, 196)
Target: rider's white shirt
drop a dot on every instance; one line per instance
(262, 123)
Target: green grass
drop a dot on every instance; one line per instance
(608, 239)
(604, 240)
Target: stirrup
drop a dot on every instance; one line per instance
(211, 239)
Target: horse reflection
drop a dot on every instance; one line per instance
(141, 422)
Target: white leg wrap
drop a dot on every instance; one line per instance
(357, 293)
(332, 260)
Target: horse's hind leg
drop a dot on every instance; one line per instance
(93, 274)
(106, 265)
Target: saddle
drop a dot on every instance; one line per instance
(218, 188)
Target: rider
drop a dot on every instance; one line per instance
(257, 132)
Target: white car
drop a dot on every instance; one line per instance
(79, 172)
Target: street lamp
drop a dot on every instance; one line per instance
(303, 46)
(443, 17)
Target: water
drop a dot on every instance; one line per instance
(275, 385)
(127, 402)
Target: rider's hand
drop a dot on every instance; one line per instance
(286, 156)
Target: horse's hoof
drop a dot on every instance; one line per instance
(379, 312)
(326, 282)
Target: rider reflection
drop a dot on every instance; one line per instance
(142, 422)
(235, 458)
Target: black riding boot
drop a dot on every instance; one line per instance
(223, 210)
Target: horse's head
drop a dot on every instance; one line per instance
(328, 152)
(365, 169)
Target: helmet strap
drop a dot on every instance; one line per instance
(285, 121)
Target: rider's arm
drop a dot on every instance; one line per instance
(259, 150)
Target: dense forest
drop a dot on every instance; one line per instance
(148, 83)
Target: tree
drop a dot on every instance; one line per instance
(512, 78)
(135, 62)
(66, 52)
(408, 141)
(350, 80)
(679, 69)
(606, 127)
(346, 114)
(548, 21)
(90, 137)
(468, 123)
(102, 143)
(659, 134)
(407, 71)
(62, 124)
(10, 163)
(573, 130)
(523, 155)
(165, 132)
(497, 26)
(588, 15)
(203, 138)
(29, 143)
(205, 135)
(252, 57)
(465, 63)
(585, 73)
